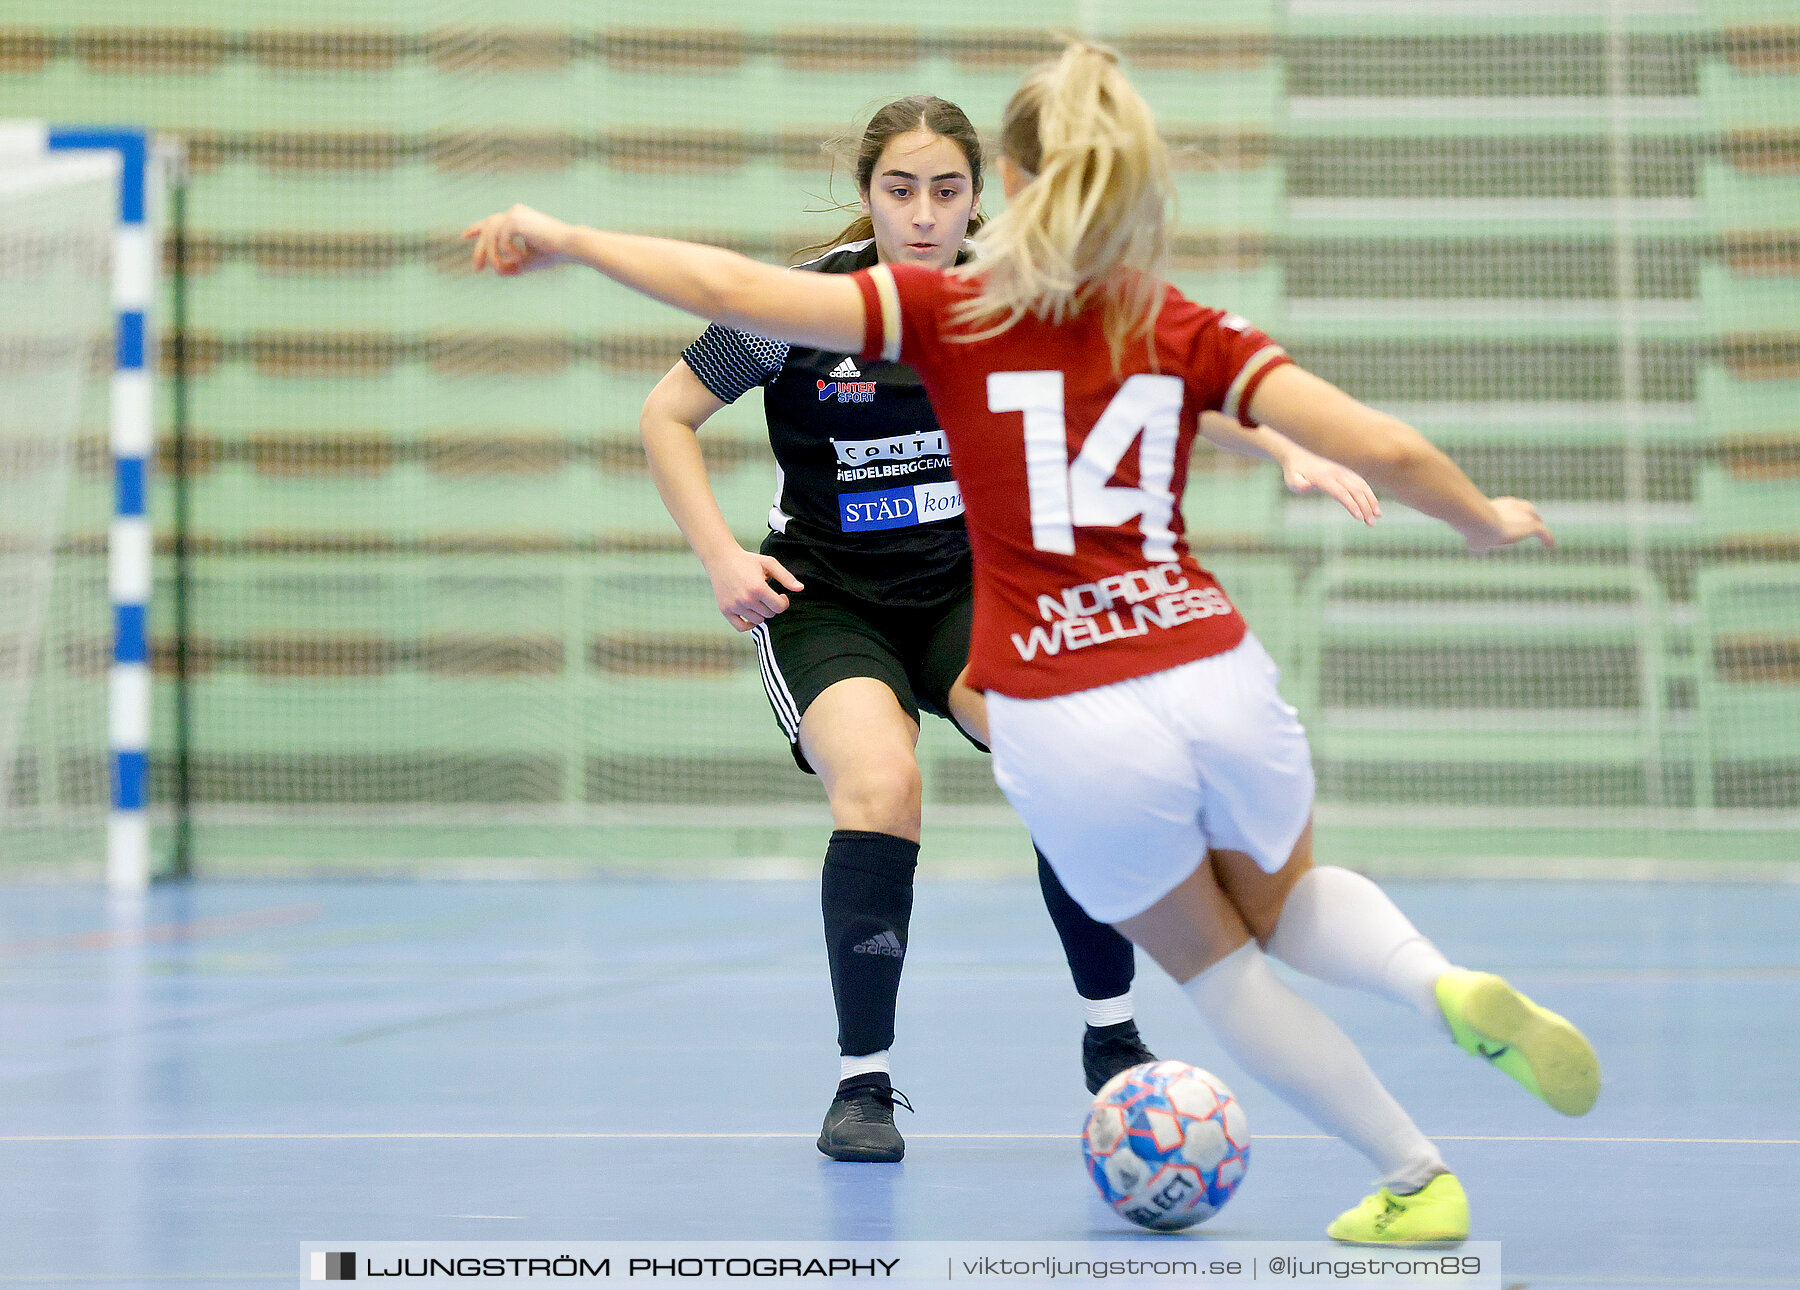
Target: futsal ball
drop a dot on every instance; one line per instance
(1167, 1144)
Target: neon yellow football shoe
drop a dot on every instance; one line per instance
(1436, 1214)
(1539, 1049)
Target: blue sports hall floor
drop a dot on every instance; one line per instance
(190, 1090)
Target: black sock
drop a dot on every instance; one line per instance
(1100, 958)
(866, 895)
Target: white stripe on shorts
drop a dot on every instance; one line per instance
(787, 712)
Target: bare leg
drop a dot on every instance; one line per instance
(1337, 926)
(1340, 927)
(1198, 936)
(1191, 928)
(1259, 896)
(861, 742)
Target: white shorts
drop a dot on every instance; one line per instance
(1126, 787)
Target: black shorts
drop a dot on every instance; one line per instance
(819, 640)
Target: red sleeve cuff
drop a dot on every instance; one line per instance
(1242, 396)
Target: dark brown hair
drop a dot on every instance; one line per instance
(902, 116)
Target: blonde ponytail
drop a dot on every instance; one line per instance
(1092, 225)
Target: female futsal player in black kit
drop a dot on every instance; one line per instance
(860, 601)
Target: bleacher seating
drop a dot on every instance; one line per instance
(1425, 208)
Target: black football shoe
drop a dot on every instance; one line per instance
(1107, 1050)
(860, 1124)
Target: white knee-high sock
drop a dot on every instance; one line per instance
(1340, 927)
(1300, 1053)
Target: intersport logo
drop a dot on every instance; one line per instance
(847, 391)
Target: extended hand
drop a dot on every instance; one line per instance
(741, 586)
(1303, 471)
(517, 241)
(1516, 520)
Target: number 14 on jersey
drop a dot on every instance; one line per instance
(1067, 495)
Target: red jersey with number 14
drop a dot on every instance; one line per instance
(1072, 477)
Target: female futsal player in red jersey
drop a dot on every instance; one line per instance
(860, 600)
(1135, 721)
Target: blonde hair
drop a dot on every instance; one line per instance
(1092, 225)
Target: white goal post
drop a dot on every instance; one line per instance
(125, 161)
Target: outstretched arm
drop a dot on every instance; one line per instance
(1301, 471)
(1394, 456)
(819, 310)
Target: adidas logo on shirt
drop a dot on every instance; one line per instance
(845, 371)
(885, 943)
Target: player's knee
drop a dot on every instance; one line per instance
(882, 797)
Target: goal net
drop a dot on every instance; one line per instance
(439, 615)
(56, 219)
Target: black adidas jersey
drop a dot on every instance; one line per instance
(864, 499)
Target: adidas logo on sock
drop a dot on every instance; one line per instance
(846, 371)
(885, 943)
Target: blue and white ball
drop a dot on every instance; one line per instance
(1167, 1144)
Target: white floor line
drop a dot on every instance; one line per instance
(733, 1137)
